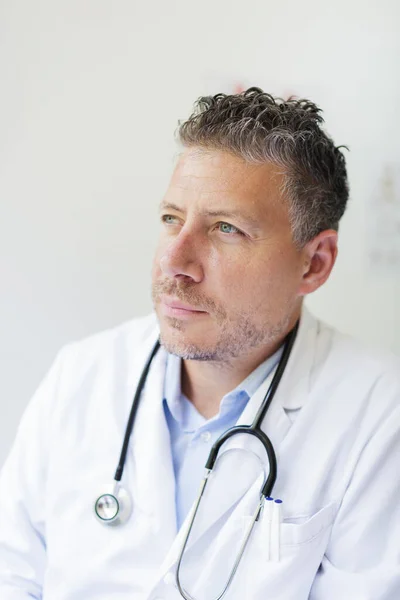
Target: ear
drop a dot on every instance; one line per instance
(319, 257)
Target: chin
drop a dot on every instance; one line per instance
(177, 339)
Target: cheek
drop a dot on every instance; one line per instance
(256, 282)
(233, 280)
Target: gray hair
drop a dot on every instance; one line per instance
(288, 133)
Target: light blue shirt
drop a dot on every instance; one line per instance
(192, 435)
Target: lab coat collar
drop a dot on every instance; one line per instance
(295, 385)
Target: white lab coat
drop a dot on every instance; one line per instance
(335, 426)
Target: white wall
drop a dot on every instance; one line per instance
(91, 91)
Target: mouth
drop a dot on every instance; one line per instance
(175, 308)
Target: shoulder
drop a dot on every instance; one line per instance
(353, 355)
(122, 345)
(355, 369)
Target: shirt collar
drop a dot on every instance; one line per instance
(172, 385)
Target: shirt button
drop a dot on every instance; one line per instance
(205, 436)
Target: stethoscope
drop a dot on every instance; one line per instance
(115, 508)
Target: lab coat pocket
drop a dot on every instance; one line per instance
(286, 561)
(304, 529)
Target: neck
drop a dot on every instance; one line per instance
(205, 383)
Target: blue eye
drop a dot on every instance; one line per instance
(227, 228)
(169, 219)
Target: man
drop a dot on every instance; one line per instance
(249, 227)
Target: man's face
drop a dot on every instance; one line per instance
(226, 273)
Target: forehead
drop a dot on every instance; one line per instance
(210, 174)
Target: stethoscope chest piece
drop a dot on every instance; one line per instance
(113, 507)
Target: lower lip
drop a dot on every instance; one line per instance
(181, 312)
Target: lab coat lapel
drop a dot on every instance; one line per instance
(153, 481)
(293, 389)
(232, 484)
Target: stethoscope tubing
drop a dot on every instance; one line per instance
(266, 442)
(132, 415)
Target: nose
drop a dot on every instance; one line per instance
(181, 258)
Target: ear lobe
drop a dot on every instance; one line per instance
(320, 257)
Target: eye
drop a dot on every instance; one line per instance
(169, 219)
(228, 229)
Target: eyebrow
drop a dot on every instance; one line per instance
(227, 214)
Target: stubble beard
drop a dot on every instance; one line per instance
(236, 335)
